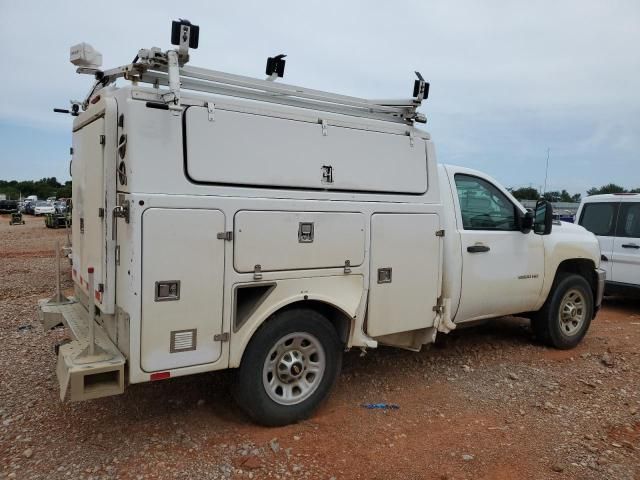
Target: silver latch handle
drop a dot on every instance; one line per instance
(115, 213)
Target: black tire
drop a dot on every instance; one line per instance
(547, 324)
(250, 390)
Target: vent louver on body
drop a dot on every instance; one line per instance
(183, 340)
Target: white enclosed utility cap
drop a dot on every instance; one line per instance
(84, 55)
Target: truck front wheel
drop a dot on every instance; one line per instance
(564, 319)
(288, 368)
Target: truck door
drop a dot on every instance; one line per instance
(502, 268)
(182, 281)
(600, 219)
(626, 245)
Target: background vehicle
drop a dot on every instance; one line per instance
(42, 208)
(615, 220)
(28, 207)
(273, 226)
(60, 206)
(8, 206)
(563, 215)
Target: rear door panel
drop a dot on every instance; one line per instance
(626, 245)
(88, 198)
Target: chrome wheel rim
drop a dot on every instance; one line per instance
(294, 368)
(573, 312)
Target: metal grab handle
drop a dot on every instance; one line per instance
(630, 245)
(478, 249)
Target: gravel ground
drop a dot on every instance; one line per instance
(482, 403)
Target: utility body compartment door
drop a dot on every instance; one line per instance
(253, 150)
(182, 287)
(405, 272)
(297, 240)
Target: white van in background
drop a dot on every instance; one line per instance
(615, 220)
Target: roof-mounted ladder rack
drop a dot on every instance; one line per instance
(157, 68)
(168, 68)
(220, 83)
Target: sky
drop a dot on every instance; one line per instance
(509, 79)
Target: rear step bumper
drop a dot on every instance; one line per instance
(83, 377)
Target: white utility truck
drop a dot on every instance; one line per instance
(222, 221)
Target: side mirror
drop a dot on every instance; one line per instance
(526, 222)
(543, 218)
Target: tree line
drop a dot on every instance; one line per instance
(43, 188)
(531, 193)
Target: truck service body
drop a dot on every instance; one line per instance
(230, 230)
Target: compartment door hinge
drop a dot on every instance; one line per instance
(221, 337)
(103, 139)
(439, 233)
(228, 236)
(325, 132)
(257, 272)
(211, 111)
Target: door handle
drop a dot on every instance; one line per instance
(630, 245)
(478, 249)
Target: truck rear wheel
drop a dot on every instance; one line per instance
(564, 319)
(288, 368)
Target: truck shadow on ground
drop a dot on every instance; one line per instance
(208, 395)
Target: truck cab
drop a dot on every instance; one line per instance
(497, 265)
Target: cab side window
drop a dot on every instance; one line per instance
(629, 222)
(483, 206)
(600, 218)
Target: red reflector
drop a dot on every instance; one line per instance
(95, 99)
(90, 270)
(160, 375)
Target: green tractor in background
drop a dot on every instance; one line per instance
(59, 219)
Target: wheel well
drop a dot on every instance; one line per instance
(580, 266)
(339, 319)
